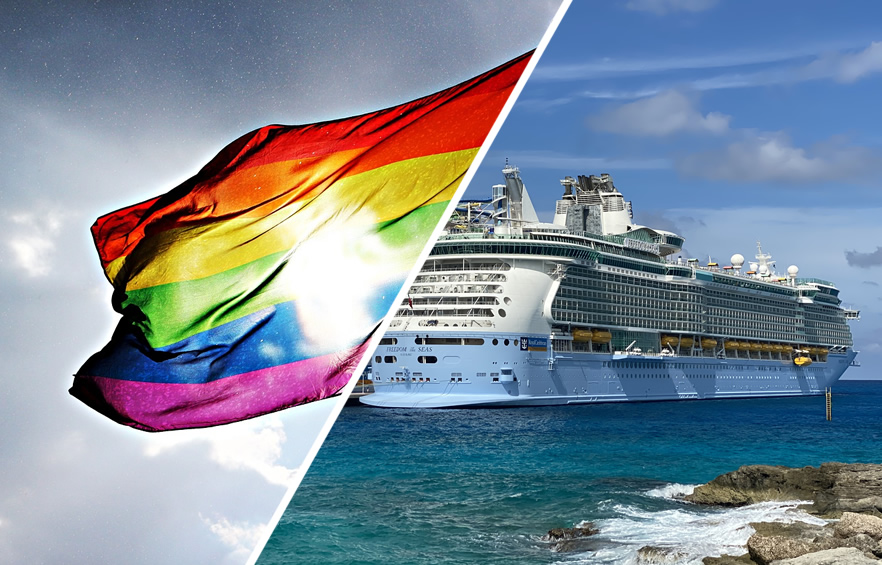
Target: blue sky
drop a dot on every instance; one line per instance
(727, 122)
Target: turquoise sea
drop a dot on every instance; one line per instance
(484, 486)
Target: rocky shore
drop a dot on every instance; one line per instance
(849, 496)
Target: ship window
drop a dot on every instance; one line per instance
(505, 342)
(390, 359)
(377, 359)
(389, 341)
(495, 341)
(427, 359)
(501, 313)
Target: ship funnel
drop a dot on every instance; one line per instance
(521, 207)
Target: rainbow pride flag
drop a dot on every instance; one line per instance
(256, 285)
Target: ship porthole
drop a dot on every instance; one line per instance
(507, 300)
(495, 341)
(501, 313)
(505, 342)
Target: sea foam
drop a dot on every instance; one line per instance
(686, 534)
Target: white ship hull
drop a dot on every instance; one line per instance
(539, 379)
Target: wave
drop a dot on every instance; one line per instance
(682, 535)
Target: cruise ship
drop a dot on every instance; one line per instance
(511, 311)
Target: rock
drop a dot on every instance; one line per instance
(573, 539)
(851, 524)
(758, 483)
(653, 554)
(557, 534)
(800, 530)
(838, 556)
(833, 488)
(857, 487)
(765, 549)
(729, 560)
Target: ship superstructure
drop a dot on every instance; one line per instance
(508, 310)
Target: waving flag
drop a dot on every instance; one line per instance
(255, 285)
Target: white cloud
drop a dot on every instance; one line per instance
(241, 537)
(846, 66)
(541, 159)
(771, 156)
(664, 114)
(32, 239)
(254, 445)
(662, 7)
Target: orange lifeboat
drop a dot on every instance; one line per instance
(669, 341)
(582, 335)
(601, 336)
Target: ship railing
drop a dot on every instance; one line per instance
(431, 267)
(436, 323)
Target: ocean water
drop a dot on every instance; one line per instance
(484, 486)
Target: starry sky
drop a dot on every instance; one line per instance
(726, 122)
(105, 104)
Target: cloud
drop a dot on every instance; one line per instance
(847, 67)
(864, 260)
(604, 67)
(32, 239)
(662, 7)
(871, 283)
(241, 537)
(664, 114)
(771, 156)
(542, 159)
(254, 445)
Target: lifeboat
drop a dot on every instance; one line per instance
(731, 345)
(669, 341)
(787, 349)
(686, 342)
(582, 335)
(708, 343)
(755, 347)
(743, 346)
(601, 336)
(802, 361)
(767, 347)
(778, 348)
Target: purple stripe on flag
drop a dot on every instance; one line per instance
(169, 406)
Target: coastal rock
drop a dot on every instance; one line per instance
(852, 524)
(766, 549)
(838, 556)
(793, 530)
(856, 487)
(573, 539)
(650, 554)
(833, 488)
(583, 530)
(729, 560)
(759, 483)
